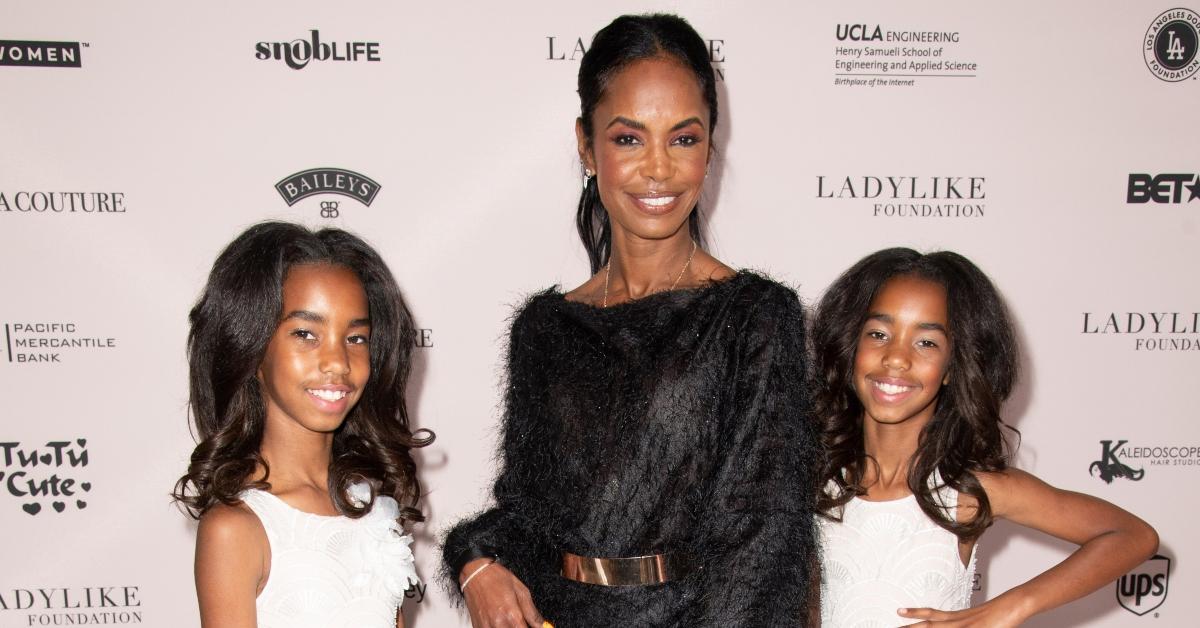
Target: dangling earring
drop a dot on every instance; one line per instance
(587, 177)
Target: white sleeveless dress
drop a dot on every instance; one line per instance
(333, 571)
(889, 555)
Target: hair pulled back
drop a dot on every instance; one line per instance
(231, 326)
(965, 434)
(627, 39)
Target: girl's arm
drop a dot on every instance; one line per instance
(231, 562)
(1111, 542)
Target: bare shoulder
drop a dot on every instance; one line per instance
(589, 291)
(232, 565)
(710, 269)
(1012, 489)
(232, 547)
(1007, 480)
(230, 528)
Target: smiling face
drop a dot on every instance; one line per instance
(650, 148)
(903, 353)
(318, 359)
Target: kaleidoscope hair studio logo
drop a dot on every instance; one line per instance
(315, 181)
(1170, 45)
(1110, 467)
(1120, 460)
(44, 478)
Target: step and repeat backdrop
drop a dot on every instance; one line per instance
(1055, 144)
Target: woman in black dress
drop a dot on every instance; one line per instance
(658, 462)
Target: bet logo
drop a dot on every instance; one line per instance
(1163, 188)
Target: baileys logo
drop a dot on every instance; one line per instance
(301, 185)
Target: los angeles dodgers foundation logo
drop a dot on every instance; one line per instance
(1170, 45)
(1109, 466)
(1145, 588)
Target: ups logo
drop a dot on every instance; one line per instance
(1145, 588)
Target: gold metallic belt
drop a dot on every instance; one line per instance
(621, 572)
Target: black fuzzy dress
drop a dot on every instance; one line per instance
(671, 423)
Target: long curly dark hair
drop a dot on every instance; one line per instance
(232, 324)
(966, 433)
(627, 39)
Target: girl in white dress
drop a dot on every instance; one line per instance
(915, 353)
(302, 480)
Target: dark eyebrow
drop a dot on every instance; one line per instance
(305, 315)
(634, 124)
(627, 122)
(313, 317)
(884, 318)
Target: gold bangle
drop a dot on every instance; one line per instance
(463, 587)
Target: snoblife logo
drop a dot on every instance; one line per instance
(42, 54)
(298, 53)
(318, 181)
(50, 477)
(1162, 188)
(909, 196)
(1145, 589)
(1169, 46)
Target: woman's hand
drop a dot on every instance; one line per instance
(498, 599)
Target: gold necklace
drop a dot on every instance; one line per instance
(608, 274)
